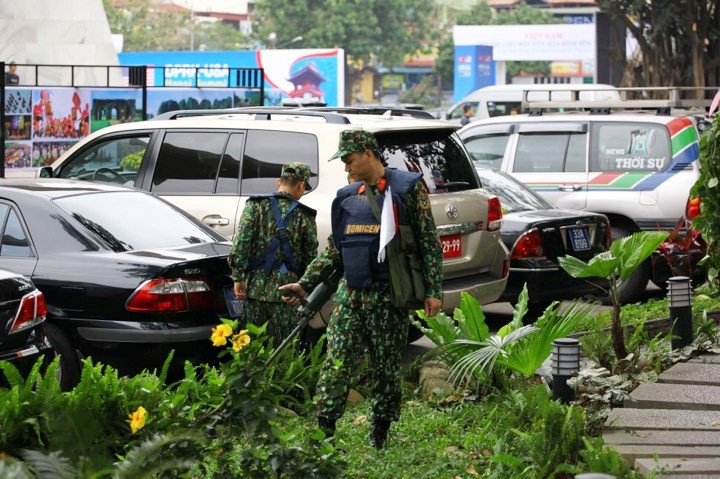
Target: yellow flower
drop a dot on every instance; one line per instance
(240, 340)
(220, 334)
(137, 419)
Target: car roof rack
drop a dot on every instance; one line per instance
(261, 113)
(661, 99)
(375, 110)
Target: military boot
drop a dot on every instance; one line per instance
(378, 433)
(327, 426)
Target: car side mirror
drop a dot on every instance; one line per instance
(44, 172)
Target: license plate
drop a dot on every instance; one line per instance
(579, 239)
(234, 305)
(451, 246)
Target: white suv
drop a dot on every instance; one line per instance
(209, 162)
(636, 168)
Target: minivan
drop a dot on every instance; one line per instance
(498, 100)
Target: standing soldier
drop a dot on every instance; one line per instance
(364, 314)
(275, 241)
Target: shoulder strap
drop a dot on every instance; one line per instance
(372, 199)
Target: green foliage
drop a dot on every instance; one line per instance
(131, 162)
(708, 190)
(146, 26)
(369, 31)
(234, 403)
(678, 41)
(476, 357)
(482, 14)
(425, 93)
(616, 265)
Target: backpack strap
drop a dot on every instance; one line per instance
(266, 260)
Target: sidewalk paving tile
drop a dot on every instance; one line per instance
(675, 396)
(617, 437)
(692, 373)
(672, 467)
(664, 419)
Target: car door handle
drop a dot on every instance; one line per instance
(215, 220)
(570, 187)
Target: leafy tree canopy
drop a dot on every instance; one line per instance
(368, 30)
(146, 26)
(679, 42)
(482, 14)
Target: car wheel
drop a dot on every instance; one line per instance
(634, 286)
(69, 370)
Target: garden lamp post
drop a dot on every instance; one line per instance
(565, 363)
(679, 301)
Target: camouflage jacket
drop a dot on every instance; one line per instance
(417, 206)
(255, 231)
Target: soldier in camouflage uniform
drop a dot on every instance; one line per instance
(363, 314)
(267, 254)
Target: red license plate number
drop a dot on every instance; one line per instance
(451, 246)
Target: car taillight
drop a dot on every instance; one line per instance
(692, 209)
(528, 245)
(495, 215)
(171, 295)
(32, 311)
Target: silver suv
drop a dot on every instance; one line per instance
(209, 162)
(635, 168)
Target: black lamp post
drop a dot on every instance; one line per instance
(565, 363)
(679, 301)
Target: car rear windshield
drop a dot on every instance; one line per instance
(513, 195)
(438, 155)
(132, 220)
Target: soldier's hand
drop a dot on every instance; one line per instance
(239, 290)
(432, 306)
(292, 293)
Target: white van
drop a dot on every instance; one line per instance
(498, 100)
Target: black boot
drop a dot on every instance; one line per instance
(378, 433)
(327, 426)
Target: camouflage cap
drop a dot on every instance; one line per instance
(297, 171)
(352, 141)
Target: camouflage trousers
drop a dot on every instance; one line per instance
(281, 318)
(382, 329)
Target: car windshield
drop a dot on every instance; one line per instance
(130, 220)
(514, 196)
(438, 155)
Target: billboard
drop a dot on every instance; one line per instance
(42, 123)
(474, 68)
(300, 74)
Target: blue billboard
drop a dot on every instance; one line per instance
(474, 68)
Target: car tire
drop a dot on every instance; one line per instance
(632, 289)
(69, 370)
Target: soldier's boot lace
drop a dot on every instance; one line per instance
(378, 433)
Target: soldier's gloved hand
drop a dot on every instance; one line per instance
(432, 306)
(292, 293)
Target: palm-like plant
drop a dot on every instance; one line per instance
(616, 265)
(474, 354)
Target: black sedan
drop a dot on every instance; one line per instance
(126, 276)
(22, 329)
(537, 233)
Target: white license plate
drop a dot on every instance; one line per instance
(579, 239)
